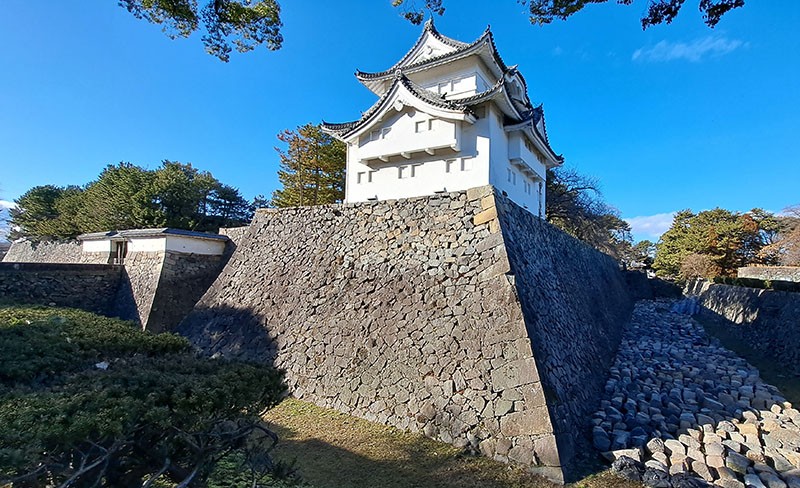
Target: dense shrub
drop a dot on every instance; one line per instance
(87, 399)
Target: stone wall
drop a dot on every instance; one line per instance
(408, 313)
(771, 273)
(575, 301)
(184, 278)
(44, 252)
(141, 275)
(235, 234)
(89, 287)
(156, 289)
(765, 319)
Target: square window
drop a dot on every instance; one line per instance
(385, 132)
(466, 164)
(422, 126)
(449, 165)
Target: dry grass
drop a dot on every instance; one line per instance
(334, 450)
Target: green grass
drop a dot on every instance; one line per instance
(334, 450)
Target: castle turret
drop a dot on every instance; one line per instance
(450, 116)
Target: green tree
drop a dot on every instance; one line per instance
(126, 196)
(243, 24)
(785, 247)
(640, 254)
(121, 198)
(727, 239)
(575, 205)
(46, 212)
(545, 11)
(312, 168)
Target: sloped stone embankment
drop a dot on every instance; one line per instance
(681, 404)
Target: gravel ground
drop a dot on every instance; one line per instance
(681, 410)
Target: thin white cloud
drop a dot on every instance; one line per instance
(651, 226)
(7, 204)
(694, 51)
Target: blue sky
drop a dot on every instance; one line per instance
(678, 116)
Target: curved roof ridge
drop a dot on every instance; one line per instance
(429, 28)
(427, 96)
(430, 96)
(487, 35)
(479, 97)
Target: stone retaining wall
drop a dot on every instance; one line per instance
(409, 313)
(44, 252)
(771, 273)
(768, 320)
(184, 278)
(89, 287)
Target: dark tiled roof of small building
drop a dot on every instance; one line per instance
(155, 232)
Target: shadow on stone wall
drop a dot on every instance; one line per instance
(767, 320)
(235, 333)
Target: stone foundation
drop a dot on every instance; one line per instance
(89, 287)
(461, 316)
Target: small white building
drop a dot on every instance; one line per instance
(450, 116)
(116, 245)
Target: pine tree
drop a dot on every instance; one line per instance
(312, 168)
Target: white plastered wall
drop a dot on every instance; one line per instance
(422, 174)
(508, 178)
(192, 245)
(103, 245)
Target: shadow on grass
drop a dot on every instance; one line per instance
(332, 449)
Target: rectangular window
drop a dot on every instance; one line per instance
(379, 134)
(421, 126)
(414, 169)
(509, 174)
(466, 164)
(449, 165)
(369, 176)
(527, 187)
(360, 177)
(402, 172)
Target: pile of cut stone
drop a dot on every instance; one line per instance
(679, 408)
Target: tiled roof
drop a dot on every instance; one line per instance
(486, 37)
(427, 96)
(156, 232)
(429, 28)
